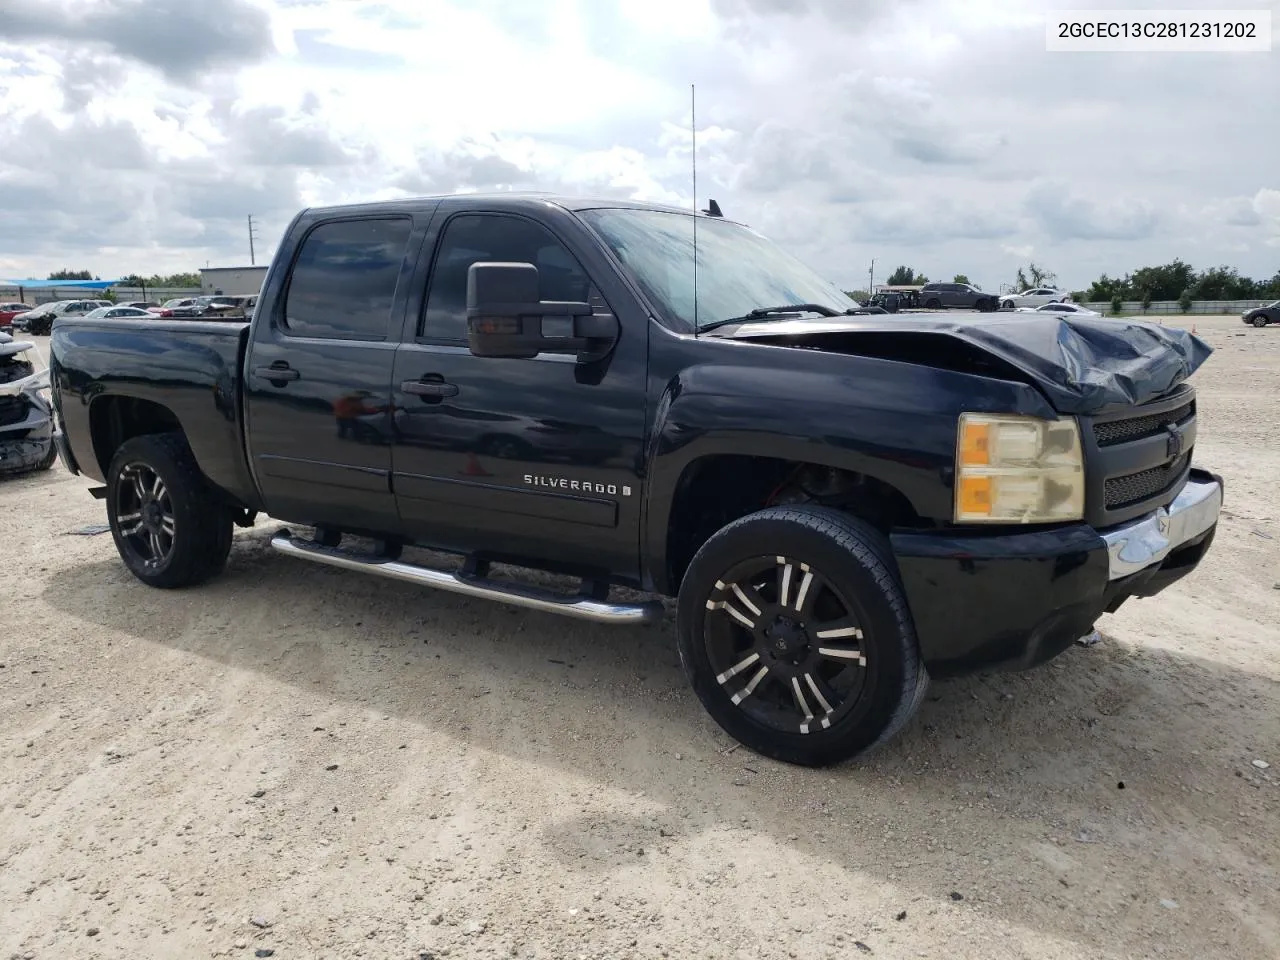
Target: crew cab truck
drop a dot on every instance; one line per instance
(843, 505)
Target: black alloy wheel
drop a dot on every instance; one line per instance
(796, 635)
(171, 527)
(145, 516)
(788, 648)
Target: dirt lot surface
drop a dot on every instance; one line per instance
(323, 764)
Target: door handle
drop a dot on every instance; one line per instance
(278, 373)
(429, 388)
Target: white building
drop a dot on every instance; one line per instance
(232, 281)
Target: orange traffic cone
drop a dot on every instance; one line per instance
(473, 468)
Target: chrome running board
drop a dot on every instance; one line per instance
(583, 606)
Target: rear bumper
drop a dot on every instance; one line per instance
(1012, 601)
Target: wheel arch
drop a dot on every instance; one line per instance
(115, 419)
(714, 488)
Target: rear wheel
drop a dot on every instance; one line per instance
(796, 635)
(169, 525)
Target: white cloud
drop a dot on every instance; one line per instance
(936, 133)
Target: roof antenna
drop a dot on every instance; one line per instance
(693, 129)
(713, 209)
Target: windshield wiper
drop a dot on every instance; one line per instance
(761, 313)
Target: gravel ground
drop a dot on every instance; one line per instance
(322, 764)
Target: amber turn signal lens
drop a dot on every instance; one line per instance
(975, 444)
(975, 496)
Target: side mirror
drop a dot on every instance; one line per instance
(505, 318)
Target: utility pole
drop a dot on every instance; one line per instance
(871, 278)
(252, 260)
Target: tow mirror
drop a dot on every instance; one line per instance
(506, 318)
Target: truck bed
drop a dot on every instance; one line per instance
(182, 370)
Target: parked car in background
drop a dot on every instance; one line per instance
(1061, 310)
(965, 296)
(38, 321)
(891, 301)
(26, 417)
(8, 311)
(1034, 297)
(206, 308)
(1261, 316)
(223, 307)
(142, 304)
(178, 303)
(120, 313)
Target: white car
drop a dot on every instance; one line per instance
(1034, 297)
(1061, 309)
(120, 313)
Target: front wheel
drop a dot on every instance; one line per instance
(1008, 304)
(1259, 322)
(796, 635)
(933, 304)
(169, 525)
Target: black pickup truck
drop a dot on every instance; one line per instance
(842, 504)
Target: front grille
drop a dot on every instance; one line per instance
(1122, 491)
(12, 410)
(1112, 432)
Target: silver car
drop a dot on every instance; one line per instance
(120, 313)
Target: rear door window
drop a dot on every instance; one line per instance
(345, 278)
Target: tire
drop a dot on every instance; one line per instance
(182, 540)
(50, 458)
(769, 687)
(933, 304)
(1008, 304)
(1259, 322)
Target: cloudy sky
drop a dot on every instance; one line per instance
(138, 134)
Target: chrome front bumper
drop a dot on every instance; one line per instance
(1133, 547)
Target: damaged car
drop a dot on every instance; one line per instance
(840, 505)
(26, 417)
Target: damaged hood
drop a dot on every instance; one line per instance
(1082, 364)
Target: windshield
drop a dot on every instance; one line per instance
(738, 270)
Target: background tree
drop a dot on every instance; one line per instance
(1034, 276)
(906, 277)
(960, 278)
(1169, 281)
(71, 275)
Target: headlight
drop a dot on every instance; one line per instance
(1014, 469)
